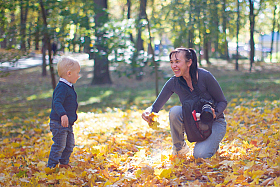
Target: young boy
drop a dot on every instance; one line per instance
(63, 113)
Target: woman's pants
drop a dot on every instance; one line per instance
(204, 149)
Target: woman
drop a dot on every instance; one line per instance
(183, 62)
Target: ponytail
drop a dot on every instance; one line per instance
(193, 67)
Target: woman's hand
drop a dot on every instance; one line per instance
(214, 114)
(146, 116)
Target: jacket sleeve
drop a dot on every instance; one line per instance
(163, 97)
(217, 94)
(58, 100)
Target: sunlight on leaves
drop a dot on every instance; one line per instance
(118, 148)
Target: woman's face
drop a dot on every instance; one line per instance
(179, 65)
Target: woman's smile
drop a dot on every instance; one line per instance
(179, 65)
(176, 72)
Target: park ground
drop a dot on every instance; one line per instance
(115, 147)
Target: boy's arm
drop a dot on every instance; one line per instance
(58, 101)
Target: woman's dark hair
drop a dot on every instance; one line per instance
(189, 54)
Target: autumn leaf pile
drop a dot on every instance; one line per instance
(117, 148)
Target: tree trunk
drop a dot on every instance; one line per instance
(226, 55)
(142, 15)
(87, 41)
(11, 34)
(237, 35)
(3, 25)
(139, 41)
(205, 36)
(29, 36)
(128, 17)
(277, 40)
(48, 42)
(37, 37)
(252, 29)
(216, 23)
(153, 52)
(190, 23)
(44, 64)
(87, 45)
(206, 48)
(272, 32)
(24, 5)
(199, 20)
(199, 53)
(101, 62)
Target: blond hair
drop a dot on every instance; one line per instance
(65, 64)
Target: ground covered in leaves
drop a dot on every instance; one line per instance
(117, 148)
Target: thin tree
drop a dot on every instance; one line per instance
(37, 34)
(190, 23)
(215, 19)
(44, 63)
(101, 73)
(225, 31)
(252, 30)
(24, 6)
(11, 35)
(272, 32)
(3, 26)
(48, 43)
(87, 37)
(136, 69)
(128, 17)
(197, 9)
(277, 40)
(142, 15)
(237, 35)
(152, 50)
(205, 36)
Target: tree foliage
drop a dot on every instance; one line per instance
(206, 25)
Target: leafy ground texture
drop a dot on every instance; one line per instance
(115, 147)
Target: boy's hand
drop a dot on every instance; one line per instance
(64, 121)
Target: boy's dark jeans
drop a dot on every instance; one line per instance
(64, 142)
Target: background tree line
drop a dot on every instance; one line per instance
(123, 33)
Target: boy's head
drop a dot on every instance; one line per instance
(69, 69)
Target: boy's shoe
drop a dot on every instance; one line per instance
(185, 149)
(66, 166)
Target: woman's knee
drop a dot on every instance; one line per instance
(200, 152)
(175, 112)
(209, 147)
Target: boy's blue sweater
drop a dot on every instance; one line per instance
(64, 102)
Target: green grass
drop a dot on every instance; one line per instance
(26, 93)
(259, 86)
